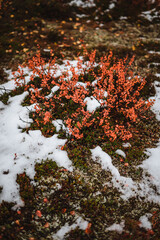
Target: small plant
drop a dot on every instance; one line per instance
(110, 82)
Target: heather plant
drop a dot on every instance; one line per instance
(110, 82)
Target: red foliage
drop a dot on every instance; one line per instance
(119, 108)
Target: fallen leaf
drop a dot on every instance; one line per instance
(133, 48)
(126, 164)
(64, 210)
(72, 213)
(38, 213)
(17, 222)
(46, 225)
(45, 200)
(88, 229)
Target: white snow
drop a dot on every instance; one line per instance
(126, 145)
(82, 15)
(121, 153)
(92, 104)
(150, 15)
(116, 227)
(144, 222)
(156, 107)
(58, 123)
(27, 147)
(83, 4)
(80, 222)
(111, 5)
(126, 185)
(53, 90)
(154, 52)
(157, 74)
(123, 18)
(155, 64)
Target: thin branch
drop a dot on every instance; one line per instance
(24, 121)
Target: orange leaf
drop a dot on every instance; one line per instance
(17, 222)
(126, 164)
(45, 200)
(46, 225)
(63, 170)
(72, 213)
(88, 229)
(38, 213)
(64, 210)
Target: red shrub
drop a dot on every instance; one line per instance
(111, 82)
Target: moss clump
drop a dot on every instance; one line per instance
(46, 168)
(4, 98)
(26, 189)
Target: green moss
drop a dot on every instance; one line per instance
(26, 101)
(17, 91)
(45, 168)
(4, 98)
(26, 189)
(78, 155)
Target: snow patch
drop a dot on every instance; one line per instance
(126, 145)
(80, 222)
(116, 227)
(121, 153)
(20, 151)
(83, 4)
(144, 222)
(92, 104)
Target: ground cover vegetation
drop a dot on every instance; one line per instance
(59, 196)
(111, 84)
(117, 118)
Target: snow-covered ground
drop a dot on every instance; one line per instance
(20, 151)
(151, 14)
(83, 4)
